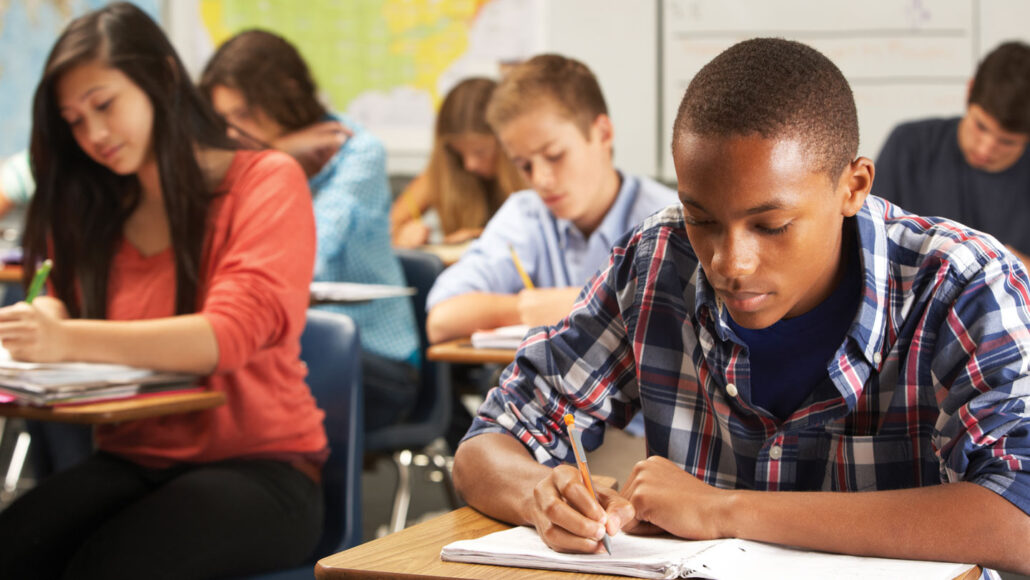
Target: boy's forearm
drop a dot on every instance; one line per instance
(464, 314)
(496, 475)
(957, 522)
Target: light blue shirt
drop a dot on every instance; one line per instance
(553, 251)
(352, 205)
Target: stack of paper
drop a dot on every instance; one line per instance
(503, 337)
(52, 383)
(668, 557)
(343, 292)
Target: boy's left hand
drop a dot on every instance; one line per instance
(34, 332)
(665, 496)
(545, 306)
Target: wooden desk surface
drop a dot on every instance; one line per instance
(118, 410)
(448, 253)
(460, 350)
(10, 275)
(414, 553)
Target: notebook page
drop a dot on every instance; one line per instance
(744, 560)
(637, 556)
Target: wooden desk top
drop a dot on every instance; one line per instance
(415, 553)
(448, 253)
(118, 410)
(10, 275)
(460, 350)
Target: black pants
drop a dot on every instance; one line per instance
(391, 388)
(110, 518)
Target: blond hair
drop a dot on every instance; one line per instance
(548, 78)
(464, 199)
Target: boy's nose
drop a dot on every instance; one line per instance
(734, 258)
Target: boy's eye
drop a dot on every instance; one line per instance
(555, 157)
(696, 222)
(774, 230)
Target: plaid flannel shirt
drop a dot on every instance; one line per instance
(930, 384)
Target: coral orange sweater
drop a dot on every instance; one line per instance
(255, 275)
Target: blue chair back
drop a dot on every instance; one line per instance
(331, 348)
(432, 412)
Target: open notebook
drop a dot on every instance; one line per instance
(667, 557)
(503, 337)
(75, 382)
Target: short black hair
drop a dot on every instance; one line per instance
(774, 88)
(1002, 86)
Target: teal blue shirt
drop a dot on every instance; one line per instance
(352, 205)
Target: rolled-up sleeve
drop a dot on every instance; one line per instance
(261, 260)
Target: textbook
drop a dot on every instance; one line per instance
(668, 557)
(503, 337)
(54, 383)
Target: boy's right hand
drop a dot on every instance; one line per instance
(567, 516)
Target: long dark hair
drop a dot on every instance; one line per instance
(80, 207)
(270, 74)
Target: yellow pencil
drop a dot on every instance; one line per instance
(518, 266)
(415, 213)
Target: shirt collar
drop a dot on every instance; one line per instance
(870, 324)
(615, 222)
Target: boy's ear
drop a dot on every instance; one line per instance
(602, 129)
(855, 184)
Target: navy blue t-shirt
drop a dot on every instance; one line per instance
(790, 358)
(922, 169)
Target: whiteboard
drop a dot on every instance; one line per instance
(904, 59)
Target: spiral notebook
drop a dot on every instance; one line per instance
(668, 557)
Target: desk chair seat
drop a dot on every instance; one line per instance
(332, 351)
(423, 432)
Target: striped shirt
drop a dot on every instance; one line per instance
(930, 384)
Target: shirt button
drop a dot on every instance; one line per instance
(731, 389)
(775, 452)
(877, 357)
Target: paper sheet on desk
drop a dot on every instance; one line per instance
(666, 557)
(503, 337)
(353, 292)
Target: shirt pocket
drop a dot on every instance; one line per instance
(869, 462)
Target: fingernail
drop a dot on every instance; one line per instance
(599, 533)
(616, 522)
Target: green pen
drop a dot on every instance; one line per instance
(38, 280)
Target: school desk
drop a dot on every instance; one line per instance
(448, 253)
(414, 553)
(139, 407)
(10, 275)
(460, 350)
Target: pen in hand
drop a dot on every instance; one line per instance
(38, 280)
(581, 462)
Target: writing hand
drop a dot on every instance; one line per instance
(568, 518)
(34, 332)
(545, 306)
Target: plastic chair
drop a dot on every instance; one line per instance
(423, 432)
(332, 351)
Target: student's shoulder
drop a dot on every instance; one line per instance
(270, 171)
(525, 204)
(935, 242)
(924, 131)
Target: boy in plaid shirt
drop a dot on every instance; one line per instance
(782, 331)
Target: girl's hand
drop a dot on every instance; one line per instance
(35, 332)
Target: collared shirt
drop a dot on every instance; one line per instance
(930, 384)
(352, 208)
(553, 251)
